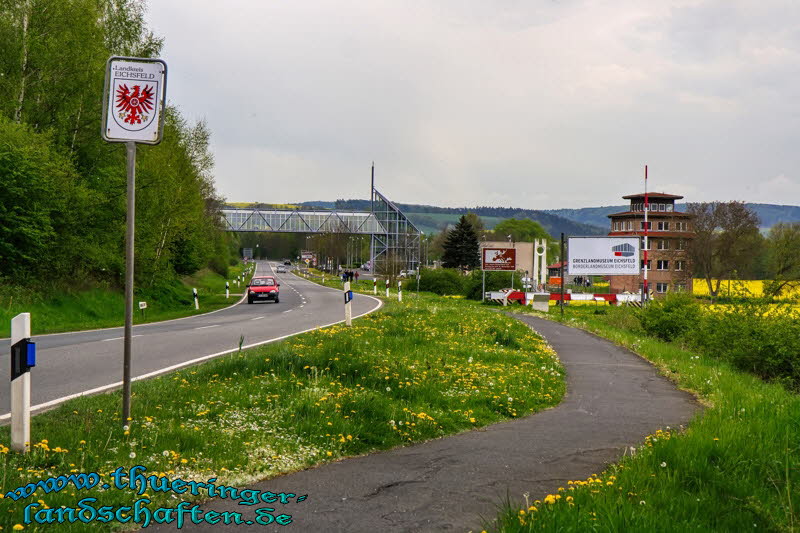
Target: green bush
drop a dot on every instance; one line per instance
(755, 337)
(670, 318)
(442, 281)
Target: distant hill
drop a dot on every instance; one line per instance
(431, 219)
(583, 221)
(770, 214)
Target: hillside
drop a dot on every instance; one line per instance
(431, 219)
(770, 214)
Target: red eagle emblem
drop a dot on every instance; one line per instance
(133, 106)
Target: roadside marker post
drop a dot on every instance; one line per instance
(23, 357)
(399, 291)
(196, 301)
(374, 286)
(387, 287)
(134, 99)
(227, 290)
(348, 298)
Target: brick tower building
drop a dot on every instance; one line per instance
(669, 232)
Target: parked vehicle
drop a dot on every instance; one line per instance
(263, 288)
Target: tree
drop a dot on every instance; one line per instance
(783, 257)
(461, 249)
(521, 230)
(476, 222)
(525, 230)
(726, 234)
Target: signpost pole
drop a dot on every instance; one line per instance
(563, 260)
(483, 287)
(129, 236)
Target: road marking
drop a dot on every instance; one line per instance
(257, 318)
(288, 311)
(165, 370)
(206, 327)
(118, 338)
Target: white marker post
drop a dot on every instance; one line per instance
(348, 298)
(374, 286)
(227, 290)
(196, 301)
(133, 112)
(387, 287)
(23, 356)
(399, 291)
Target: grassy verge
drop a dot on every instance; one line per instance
(58, 309)
(735, 468)
(411, 372)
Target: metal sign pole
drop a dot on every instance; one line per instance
(130, 118)
(129, 236)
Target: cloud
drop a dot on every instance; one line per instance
(530, 104)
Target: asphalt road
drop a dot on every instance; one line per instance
(91, 361)
(614, 399)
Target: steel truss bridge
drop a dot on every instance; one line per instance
(394, 239)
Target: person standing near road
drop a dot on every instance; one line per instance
(356, 276)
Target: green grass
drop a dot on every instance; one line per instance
(59, 309)
(735, 468)
(410, 372)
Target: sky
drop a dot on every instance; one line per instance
(536, 104)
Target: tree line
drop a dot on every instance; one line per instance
(62, 188)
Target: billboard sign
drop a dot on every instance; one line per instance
(134, 100)
(607, 256)
(498, 259)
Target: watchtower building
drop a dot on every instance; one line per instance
(669, 233)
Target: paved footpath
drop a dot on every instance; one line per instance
(614, 399)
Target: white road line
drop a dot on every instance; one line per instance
(257, 318)
(118, 338)
(206, 327)
(288, 311)
(155, 373)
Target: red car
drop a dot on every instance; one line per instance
(263, 288)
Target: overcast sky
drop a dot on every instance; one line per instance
(533, 103)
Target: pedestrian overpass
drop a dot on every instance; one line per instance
(393, 238)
